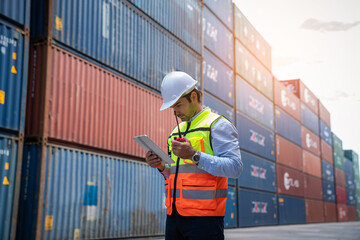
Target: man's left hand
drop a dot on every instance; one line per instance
(183, 150)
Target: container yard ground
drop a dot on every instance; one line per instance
(315, 231)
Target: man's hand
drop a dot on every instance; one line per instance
(183, 150)
(154, 161)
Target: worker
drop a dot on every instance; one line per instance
(205, 149)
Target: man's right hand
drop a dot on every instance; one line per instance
(154, 161)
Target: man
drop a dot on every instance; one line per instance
(206, 155)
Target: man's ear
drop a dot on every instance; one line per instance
(194, 97)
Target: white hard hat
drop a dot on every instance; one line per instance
(175, 85)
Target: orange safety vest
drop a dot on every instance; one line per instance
(197, 192)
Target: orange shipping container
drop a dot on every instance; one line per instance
(311, 164)
(352, 213)
(289, 181)
(329, 212)
(313, 187)
(288, 153)
(310, 141)
(342, 213)
(327, 152)
(314, 211)
(339, 177)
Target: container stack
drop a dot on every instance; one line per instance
(352, 158)
(257, 200)
(14, 57)
(95, 75)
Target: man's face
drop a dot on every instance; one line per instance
(185, 110)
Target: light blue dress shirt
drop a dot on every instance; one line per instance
(226, 161)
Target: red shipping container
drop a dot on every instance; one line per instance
(340, 195)
(352, 213)
(286, 100)
(324, 114)
(314, 211)
(289, 181)
(313, 187)
(311, 164)
(87, 105)
(310, 141)
(342, 213)
(288, 153)
(340, 177)
(329, 212)
(326, 152)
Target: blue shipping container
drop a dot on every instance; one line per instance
(291, 210)
(257, 208)
(327, 171)
(89, 195)
(230, 219)
(325, 133)
(255, 138)
(309, 119)
(350, 197)
(217, 38)
(13, 78)
(349, 174)
(257, 173)
(219, 107)
(287, 126)
(183, 18)
(218, 78)
(16, 10)
(223, 9)
(329, 191)
(254, 104)
(9, 159)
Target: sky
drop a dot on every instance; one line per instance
(317, 41)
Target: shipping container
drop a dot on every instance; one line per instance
(357, 196)
(338, 152)
(340, 195)
(313, 188)
(349, 174)
(324, 114)
(182, 18)
(326, 152)
(350, 197)
(217, 38)
(223, 10)
(255, 138)
(286, 100)
(14, 59)
(342, 213)
(327, 171)
(219, 107)
(258, 173)
(325, 133)
(250, 69)
(257, 208)
(314, 211)
(309, 119)
(329, 212)
(291, 210)
(251, 38)
(310, 141)
(338, 160)
(69, 193)
(339, 177)
(287, 126)
(352, 213)
(289, 181)
(254, 104)
(10, 150)
(102, 109)
(17, 11)
(218, 78)
(353, 156)
(329, 191)
(311, 164)
(130, 40)
(288, 153)
(297, 87)
(230, 219)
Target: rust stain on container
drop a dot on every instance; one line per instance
(288, 153)
(342, 213)
(314, 211)
(326, 152)
(324, 114)
(340, 178)
(330, 212)
(310, 141)
(289, 181)
(313, 187)
(311, 164)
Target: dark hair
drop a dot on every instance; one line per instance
(198, 93)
